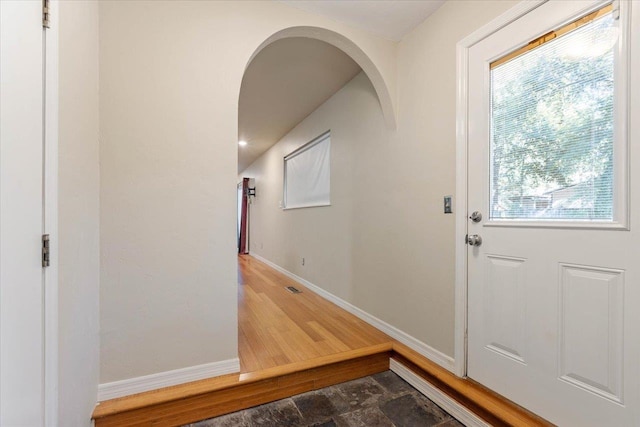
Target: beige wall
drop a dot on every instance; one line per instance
(330, 238)
(424, 160)
(79, 189)
(385, 244)
(170, 76)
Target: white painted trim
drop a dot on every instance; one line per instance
(166, 379)
(462, 106)
(50, 220)
(451, 406)
(511, 15)
(395, 333)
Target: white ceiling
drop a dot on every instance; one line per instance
(285, 83)
(390, 19)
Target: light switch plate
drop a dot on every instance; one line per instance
(448, 205)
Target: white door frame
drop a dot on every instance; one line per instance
(50, 274)
(47, 303)
(462, 119)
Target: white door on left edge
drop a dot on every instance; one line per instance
(554, 283)
(21, 214)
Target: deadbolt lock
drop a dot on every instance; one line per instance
(476, 216)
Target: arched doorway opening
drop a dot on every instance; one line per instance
(287, 77)
(289, 81)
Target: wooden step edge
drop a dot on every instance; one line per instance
(490, 406)
(181, 391)
(316, 362)
(246, 394)
(162, 395)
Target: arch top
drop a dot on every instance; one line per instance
(351, 49)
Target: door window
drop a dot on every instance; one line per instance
(552, 125)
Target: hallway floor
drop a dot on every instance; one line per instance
(381, 400)
(277, 328)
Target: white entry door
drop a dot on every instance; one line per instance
(553, 261)
(21, 215)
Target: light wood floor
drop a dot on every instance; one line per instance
(278, 328)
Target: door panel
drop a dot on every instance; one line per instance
(21, 214)
(553, 287)
(504, 288)
(591, 319)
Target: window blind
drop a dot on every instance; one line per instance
(307, 176)
(552, 128)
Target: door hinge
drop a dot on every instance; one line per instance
(45, 14)
(46, 254)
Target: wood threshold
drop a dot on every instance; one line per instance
(198, 400)
(190, 402)
(181, 391)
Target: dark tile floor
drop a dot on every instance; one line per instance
(383, 400)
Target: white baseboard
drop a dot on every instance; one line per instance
(131, 386)
(452, 407)
(425, 350)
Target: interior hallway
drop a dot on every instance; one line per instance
(278, 328)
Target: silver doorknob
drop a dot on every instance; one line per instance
(473, 240)
(476, 216)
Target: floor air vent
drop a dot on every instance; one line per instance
(293, 290)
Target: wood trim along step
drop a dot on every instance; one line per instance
(211, 397)
(198, 400)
